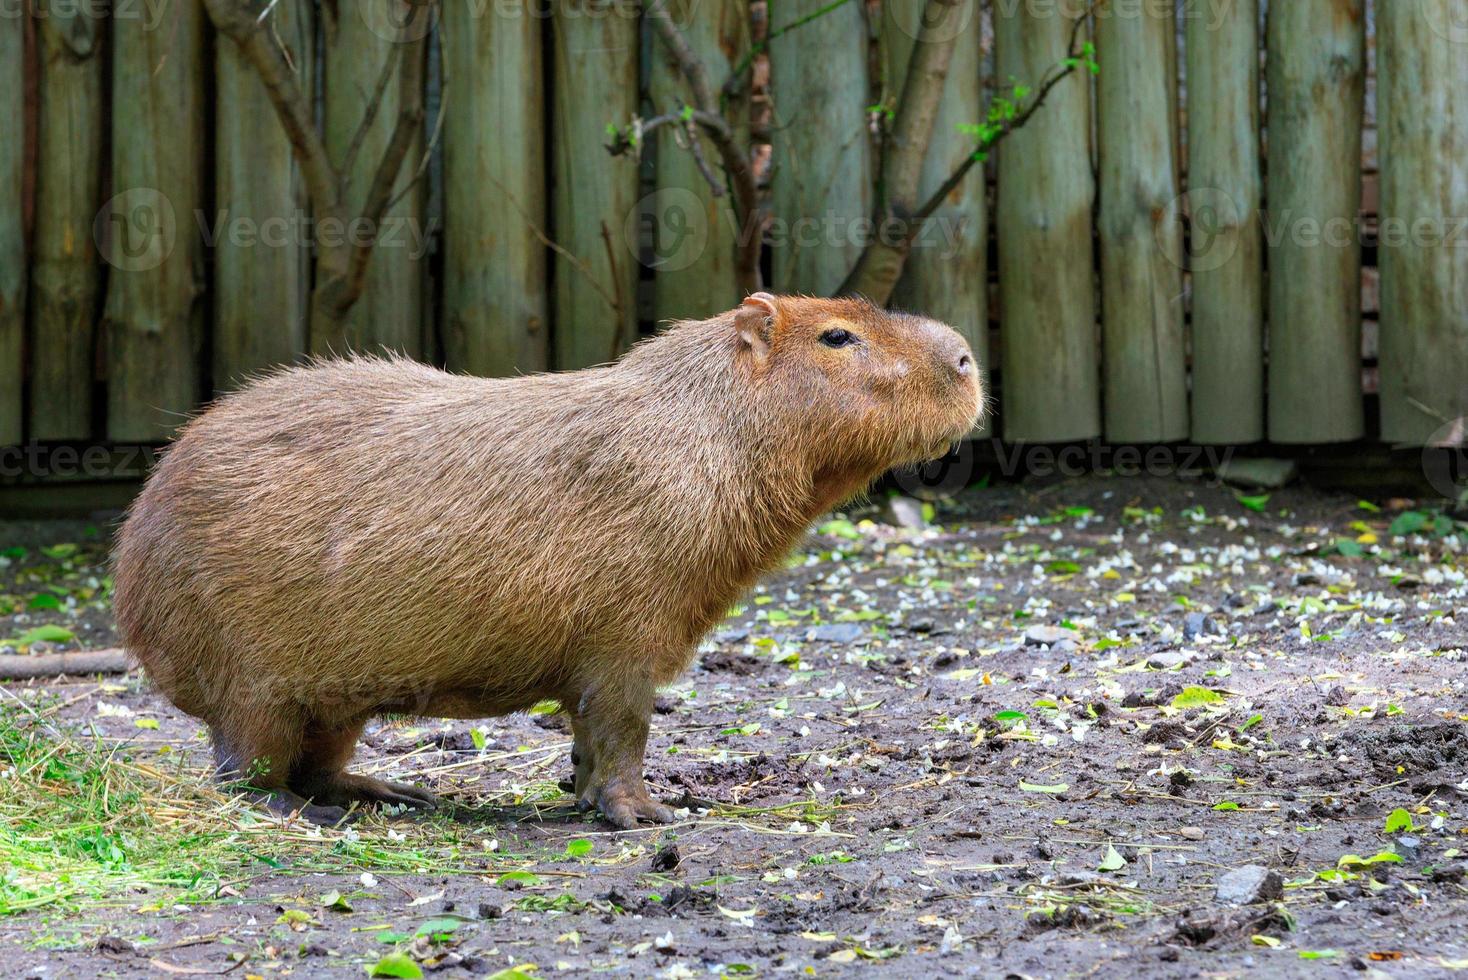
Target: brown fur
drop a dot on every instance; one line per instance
(370, 535)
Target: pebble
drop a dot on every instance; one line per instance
(1045, 636)
(1249, 885)
(835, 633)
(1191, 833)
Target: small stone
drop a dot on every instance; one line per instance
(906, 512)
(1191, 833)
(1194, 625)
(1408, 847)
(835, 633)
(1046, 636)
(1167, 660)
(734, 634)
(1258, 474)
(1249, 885)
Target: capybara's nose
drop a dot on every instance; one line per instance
(965, 365)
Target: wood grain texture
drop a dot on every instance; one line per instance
(1226, 248)
(13, 266)
(359, 39)
(689, 233)
(65, 275)
(947, 271)
(1422, 99)
(262, 272)
(821, 189)
(496, 308)
(153, 317)
(595, 50)
(1145, 376)
(1316, 84)
(1047, 292)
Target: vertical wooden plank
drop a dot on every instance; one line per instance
(152, 243)
(946, 275)
(693, 232)
(595, 45)
(361, 37)
(1422, 105)
(1316, 78)
(823, 167)
(1047, 294)
(12, 228)
(65, 275)
(496, 320)
(262, 273)
(1145, 379)
(1226, 250)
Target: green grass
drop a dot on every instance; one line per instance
(87, 821)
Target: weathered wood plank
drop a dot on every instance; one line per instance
(1047, 293)
(595, 62)
(694, 232)
(12, 229)
(823, 163)
(1226, 250)
(262, 271)
(1422, 99)
(496, 317)
(153, 315)
(946, 275)
(1145, 380)
(1316, 78)
(360, 39)
(65, 273)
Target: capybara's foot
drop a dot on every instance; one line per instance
(345, 788)
(287, 804)
(625, 803)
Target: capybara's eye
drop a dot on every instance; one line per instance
(838, 338)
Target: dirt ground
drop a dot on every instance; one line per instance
(1033, 740)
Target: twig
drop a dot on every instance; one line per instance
(111, 661)
(369, 113)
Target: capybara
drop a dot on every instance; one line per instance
(366, 536)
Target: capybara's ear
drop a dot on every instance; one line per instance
(755, 321)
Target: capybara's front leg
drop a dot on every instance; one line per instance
(614, 720)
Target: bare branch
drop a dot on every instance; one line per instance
(369, 113)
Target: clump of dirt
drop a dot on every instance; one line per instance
(1412, 750)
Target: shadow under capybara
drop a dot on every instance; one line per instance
(367, 536)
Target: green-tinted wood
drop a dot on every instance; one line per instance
(1226, 253)
(946, 275)
(359, 40)
(823, 167)
(153, 315)
(1047, 295)
(1422, 105)
(65, 274)
(261, 259)
(693, 233)
(1316, 79)
(595, 45)
(1145, 378)
(496, 320)
(12, 229)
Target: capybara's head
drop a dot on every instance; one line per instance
(874, 389)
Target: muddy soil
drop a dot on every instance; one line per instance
(1041, 738)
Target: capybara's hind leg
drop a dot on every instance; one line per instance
(614, 717)
(320, 773)
(257, 757)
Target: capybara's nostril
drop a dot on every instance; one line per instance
(965, 364)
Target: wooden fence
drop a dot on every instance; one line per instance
(1182, 247)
